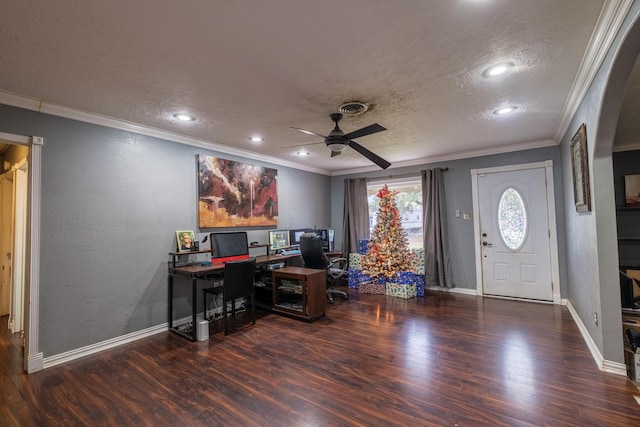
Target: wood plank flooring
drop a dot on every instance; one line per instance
(443, 360)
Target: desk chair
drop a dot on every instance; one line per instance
(237, 283)
(314, 257)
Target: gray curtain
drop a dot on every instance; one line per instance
(436, 237)
(355, 224)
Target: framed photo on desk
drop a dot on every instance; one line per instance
(185, 240)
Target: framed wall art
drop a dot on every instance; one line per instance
(632, 191)
(235, 194)
(580, 169)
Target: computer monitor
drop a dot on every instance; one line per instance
(324, 236)
(626, 291)
(229, 246)
(279, 239)
(294, 235)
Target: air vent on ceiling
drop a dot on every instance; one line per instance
(353, 108)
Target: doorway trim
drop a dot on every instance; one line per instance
(551, 214)
(33, 360)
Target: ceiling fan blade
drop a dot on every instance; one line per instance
(367, 130)
(301, 145)
(308, 132)
(335, 153)
(369, 155)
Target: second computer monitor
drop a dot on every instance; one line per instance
(326, 236)
(294, 235)
(278, 239)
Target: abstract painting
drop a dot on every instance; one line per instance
(235, 194)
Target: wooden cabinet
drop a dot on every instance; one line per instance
(300, 292)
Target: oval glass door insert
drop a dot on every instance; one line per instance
(512, 219)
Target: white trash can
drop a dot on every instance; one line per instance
(202, 331)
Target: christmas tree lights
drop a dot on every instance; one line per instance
(388, 250)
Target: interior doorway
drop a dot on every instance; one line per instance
(13, 223)
(29, 177)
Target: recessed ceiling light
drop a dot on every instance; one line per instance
(256, 139)
(505, 110)
(302, 153)
(496, 70)
(184, 117)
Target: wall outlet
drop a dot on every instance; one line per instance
(595, 318)
(466, 215)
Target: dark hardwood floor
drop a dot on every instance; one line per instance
(442, 360)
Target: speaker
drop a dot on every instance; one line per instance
(331, 234)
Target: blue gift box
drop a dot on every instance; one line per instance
(356, 276)
(420, 285)
(363, 246)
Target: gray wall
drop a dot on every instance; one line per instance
(592, 252)
(459, 196)
(111, 203)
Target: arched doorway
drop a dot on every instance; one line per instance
(603, 185)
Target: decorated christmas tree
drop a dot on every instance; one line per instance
(388, 250)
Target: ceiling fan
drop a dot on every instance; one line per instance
(337, 140)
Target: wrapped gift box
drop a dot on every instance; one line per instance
(363, 246)
(401, 290)
(420, 285)
(372, 288)
(355, 277)
(418, 260)
(355, 261)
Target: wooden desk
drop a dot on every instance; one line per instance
(210, 273)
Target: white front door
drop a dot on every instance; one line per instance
(514, 234)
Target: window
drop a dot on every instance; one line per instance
(408, 201)
(512, 219)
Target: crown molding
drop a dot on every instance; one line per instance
(46, 107)
(609, 23)
(455, 156)
(626, 147)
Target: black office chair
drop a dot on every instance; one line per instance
(238, 282)
(314, 257)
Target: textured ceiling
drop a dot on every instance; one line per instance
(248, 68)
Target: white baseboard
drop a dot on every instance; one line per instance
(104, 345)
(47, 362)
(604, 365)
(35, 363)
(465, 291)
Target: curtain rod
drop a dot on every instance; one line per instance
(406, 175)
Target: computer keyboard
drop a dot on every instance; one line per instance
(291, 252)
